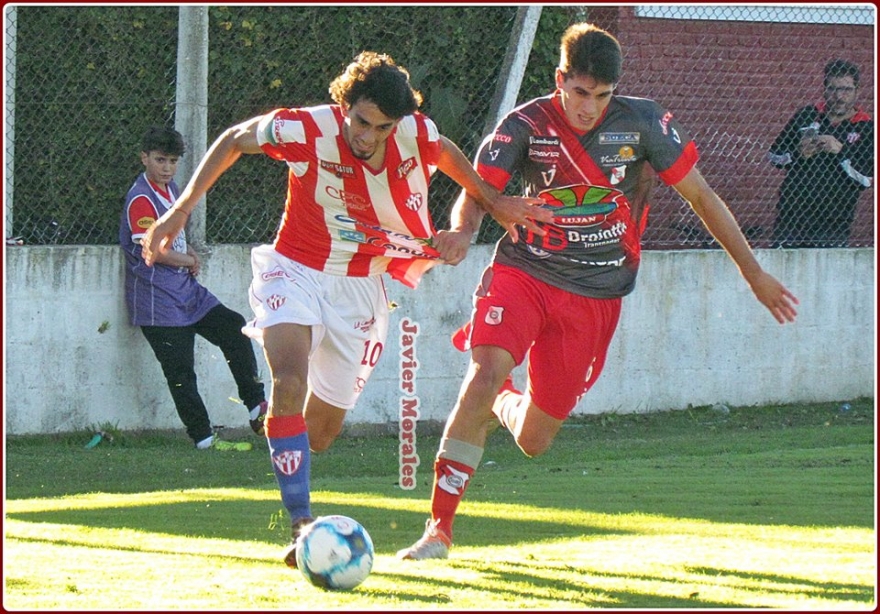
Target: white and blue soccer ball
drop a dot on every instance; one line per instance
(335, 553)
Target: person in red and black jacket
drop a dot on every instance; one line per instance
(827, 151)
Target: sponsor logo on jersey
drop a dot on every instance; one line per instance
(546, 156)
(624, 155)
(340, 170)
(145, 222)
(275, 302)
(502, 138)
(274, 274)
(580, 205)
(551, 141)
(288, 461)
(351, 200)
(352, 235)
(405, 168)
(287, 131)
(614, 138)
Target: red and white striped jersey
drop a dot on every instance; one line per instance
(343, 217)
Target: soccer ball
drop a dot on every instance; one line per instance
(334, 553)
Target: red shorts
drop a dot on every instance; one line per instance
(566, 336)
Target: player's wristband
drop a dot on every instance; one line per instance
(186, 213)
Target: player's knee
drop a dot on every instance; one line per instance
(289, 385)
(533, 444)
(320, 439)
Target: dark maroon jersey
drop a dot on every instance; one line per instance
(591, 181)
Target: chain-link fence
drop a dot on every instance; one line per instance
(84, 82)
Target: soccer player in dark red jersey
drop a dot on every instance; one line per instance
(556, 298)
(356, 208)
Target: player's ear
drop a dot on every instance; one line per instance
(144, 157)
(560, 77)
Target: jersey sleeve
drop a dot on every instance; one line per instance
(858, 154)
(502, 151)
(281, 134)
(141, 215)
(427, 136)
(671, 152)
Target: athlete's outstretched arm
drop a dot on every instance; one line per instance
(223, 153)
(720, 222)
(509, 211)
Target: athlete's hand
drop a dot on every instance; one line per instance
(161, 235)
(827, 142)
(513, 211)
(453, 245)
(196, 267)
(775, 297)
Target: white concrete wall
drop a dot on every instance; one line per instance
(691, 334)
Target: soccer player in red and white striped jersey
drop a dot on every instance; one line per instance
(357, 207)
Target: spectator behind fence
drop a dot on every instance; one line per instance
(171, 307)
(827, 151)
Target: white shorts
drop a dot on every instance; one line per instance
(348, 317)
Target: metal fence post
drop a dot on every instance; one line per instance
(515, 61)
(10, 23)
(191, 108)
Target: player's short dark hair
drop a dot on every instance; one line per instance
(164, 140)
(841, 68)
(375, 77)
(589, 51)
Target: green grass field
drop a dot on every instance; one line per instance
(768, 507)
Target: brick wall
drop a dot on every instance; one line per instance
(734, 85)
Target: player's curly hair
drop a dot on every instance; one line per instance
(375, 77)
(164, 140)
(589, 51)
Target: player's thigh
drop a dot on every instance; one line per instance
(355, 328)
(536, 430)
(510, 313)
(569, 354)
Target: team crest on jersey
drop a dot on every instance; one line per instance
(405, 168)
(288, 462)
(275, 302)
(414, 202)
(580, 205)
(340, 170)
(145, 222)
(617, 174)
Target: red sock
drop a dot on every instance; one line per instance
(451, 480)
